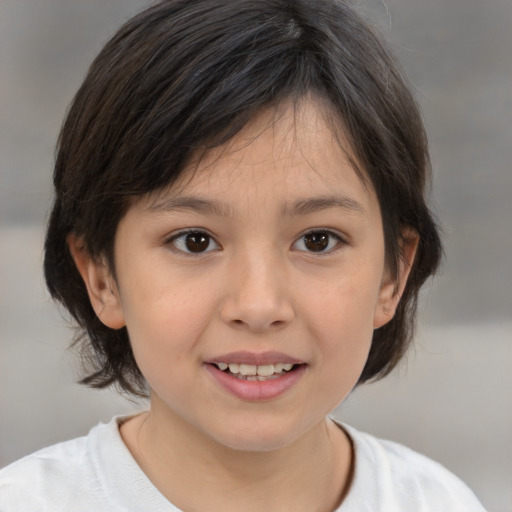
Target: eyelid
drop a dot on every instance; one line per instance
(170, 241)
(342, 240)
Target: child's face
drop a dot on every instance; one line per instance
(272, 252)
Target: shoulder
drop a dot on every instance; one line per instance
(54, 478)
(391, 477)
(93, 473)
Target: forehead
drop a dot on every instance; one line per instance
(283, 154)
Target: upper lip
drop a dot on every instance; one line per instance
(257, 359)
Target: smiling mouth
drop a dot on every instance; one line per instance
(252, 372)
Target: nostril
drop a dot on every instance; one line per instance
(256, 315)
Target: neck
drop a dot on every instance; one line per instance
(311, 473)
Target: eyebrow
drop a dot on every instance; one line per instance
(315, 204)
(300, 207)
(194, 204)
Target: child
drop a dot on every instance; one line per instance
(240, 230)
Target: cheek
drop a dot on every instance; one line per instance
(162, 344)
(343, 324)
(348, 303)
(165, 322)
(161, 304)
(165, 329)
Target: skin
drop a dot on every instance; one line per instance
(257, 287)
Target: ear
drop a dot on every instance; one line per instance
(101, 285)
(391, 289)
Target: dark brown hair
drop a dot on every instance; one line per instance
(186, 75)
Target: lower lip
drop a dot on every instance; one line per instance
(256, 390)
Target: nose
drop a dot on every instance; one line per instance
(258, 294)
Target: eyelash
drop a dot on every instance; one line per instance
(332, 237)
(208, 239)
(183, 234)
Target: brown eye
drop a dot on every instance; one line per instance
(194, 242)
(197, 242)
(317, 241)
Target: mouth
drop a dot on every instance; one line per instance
(256, 377)
(252, 372)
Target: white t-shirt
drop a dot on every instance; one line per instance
(97, 473)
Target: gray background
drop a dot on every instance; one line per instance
(451, 398)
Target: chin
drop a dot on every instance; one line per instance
(256, 437)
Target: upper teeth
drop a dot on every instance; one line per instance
(263, 370)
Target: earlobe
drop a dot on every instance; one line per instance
(391, 289)
(100, 284)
